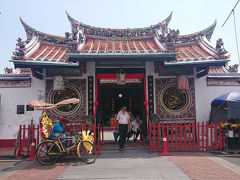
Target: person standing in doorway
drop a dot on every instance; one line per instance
(123, 120)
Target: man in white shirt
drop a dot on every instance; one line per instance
(123, 120)
(135, 129)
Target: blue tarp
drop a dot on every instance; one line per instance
(228, 97)
(225, 107)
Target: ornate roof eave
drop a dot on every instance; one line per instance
(99, 56)
(31, 63)
(202, 62)
(167, 20)
(76, 23)
(207, 32)
(30, 30)
(120, 38)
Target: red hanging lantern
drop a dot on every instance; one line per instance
(182, 82)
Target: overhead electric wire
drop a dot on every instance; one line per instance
(230, 13)
(235, 27)
(236, 35)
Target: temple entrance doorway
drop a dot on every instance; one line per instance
(112, 95)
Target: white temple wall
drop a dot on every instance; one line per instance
(205, 94)
(10, 98)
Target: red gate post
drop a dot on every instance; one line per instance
(89, 127)
(181, 137)
(154, 136)
(38, 134)
(167, 135)
(75, 129)
(33, 146)
(207, 136)
(163, 131)
(176, 137)
(80, 127)
(98, 145)
(71, 134)
(185, 136)
(172, 136)
(202, 136)
(220, 137)
(211, 127)
(158, 136)
(198, 136)
(28, 140)
(189, 138)
(150, 140)
(194, 135)
(94, 133)
(20, 149)
(215, 127)
(224, 146)
(24, 138)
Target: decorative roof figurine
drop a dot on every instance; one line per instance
(221, 51)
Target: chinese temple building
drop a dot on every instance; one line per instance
(153, 71)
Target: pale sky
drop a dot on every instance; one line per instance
(49, 16)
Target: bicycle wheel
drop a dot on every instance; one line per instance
(87, 152)
(47, 153)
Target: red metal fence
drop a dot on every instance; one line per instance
(29, 137)
(186, 136)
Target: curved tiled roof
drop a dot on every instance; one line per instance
(76, 23)
(46, 48)
(207, 32)
(97, 46)
(33, 32)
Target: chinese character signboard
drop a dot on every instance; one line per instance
(121, 78)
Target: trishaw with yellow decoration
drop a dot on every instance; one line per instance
(49, 151)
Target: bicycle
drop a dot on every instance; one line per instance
(49, 151)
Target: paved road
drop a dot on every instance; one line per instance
(129, 165)
(230, 157)
(125, 165)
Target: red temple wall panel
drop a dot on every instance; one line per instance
(189, 114)
(80, 114)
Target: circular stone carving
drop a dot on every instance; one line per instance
(173, 100)
(70, 91)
